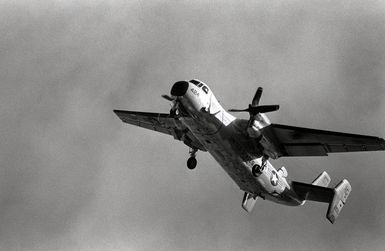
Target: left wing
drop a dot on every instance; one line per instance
(298, 141)
(163, 123)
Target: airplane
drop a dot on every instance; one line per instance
(243, 147)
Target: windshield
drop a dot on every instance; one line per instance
(200, 84)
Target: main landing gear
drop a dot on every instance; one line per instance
(257, 170)
(192, 161)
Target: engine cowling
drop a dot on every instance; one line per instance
(257, 170)
(254, 132)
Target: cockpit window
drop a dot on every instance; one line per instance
(195, 82)
(200, 85)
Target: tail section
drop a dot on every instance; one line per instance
(335, 197)
(322, 180)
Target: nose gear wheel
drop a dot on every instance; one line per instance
(192, 161)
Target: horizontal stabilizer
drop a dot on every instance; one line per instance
(342, 192)
(313, 192)
(248, 201)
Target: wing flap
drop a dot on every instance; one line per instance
(311, 149)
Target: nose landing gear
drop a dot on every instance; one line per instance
(192, 161)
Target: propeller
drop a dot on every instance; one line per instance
(165, 96)
(257, 96)
(254, 108)
(174, 108)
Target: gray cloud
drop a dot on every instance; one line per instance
(74, 177)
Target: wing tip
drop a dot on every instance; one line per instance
(118, 113)
(382, 143)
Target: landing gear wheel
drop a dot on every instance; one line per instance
(191, 163)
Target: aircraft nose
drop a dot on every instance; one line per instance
(179, 88)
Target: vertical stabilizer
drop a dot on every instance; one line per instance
(341, 193)
(248, 201)
(322, 180)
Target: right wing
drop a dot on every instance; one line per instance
(163, 123)
(298, 141)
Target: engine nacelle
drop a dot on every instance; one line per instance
(254, 132)
(257, 170)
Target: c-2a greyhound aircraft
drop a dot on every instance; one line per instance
(243, 147)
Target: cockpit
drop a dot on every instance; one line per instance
(180, 88)
(200, 84)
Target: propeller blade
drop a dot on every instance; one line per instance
(263, 109)
(257, 109)
(167, 97)
(254, 108)
(238, 110)
(257, 96)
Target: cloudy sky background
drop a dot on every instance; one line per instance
(73, 177)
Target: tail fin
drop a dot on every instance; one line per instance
(322, 180)
(341, 193)
(248, 201)
(335, 197)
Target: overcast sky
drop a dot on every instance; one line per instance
(73, 177)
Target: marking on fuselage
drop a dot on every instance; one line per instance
(274, 178)
(195, 92)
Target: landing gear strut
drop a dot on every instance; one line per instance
(173, 113)
(192, 161)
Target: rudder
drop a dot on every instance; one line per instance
(341, 193)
